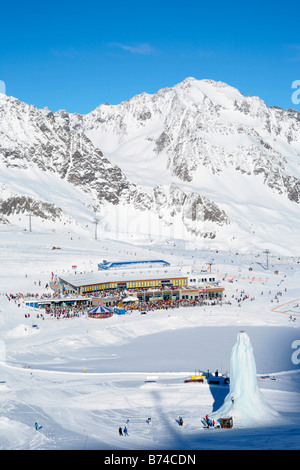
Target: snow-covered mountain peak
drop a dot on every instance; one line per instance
(189, 157)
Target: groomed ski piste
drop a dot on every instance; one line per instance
(80, 378)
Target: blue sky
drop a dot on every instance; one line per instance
(77, 55)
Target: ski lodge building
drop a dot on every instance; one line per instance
(156, 282)
(90, 283)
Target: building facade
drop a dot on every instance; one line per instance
(92, 283)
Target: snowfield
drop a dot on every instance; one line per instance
(81, 379)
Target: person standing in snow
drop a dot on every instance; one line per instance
(120, 431)
(125, 431)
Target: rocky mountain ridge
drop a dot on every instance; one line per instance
(155, 154)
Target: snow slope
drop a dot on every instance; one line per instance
(80, 379)
(194, 174)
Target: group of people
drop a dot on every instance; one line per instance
(66, 311)
(208, 422)
(123, 432)
(167, 304)
(242, 296)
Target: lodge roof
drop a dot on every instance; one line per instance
(103, 277)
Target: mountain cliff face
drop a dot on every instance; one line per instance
(190, 157)
(200, 124)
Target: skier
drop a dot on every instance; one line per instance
(180, 421)
(125, 431)
(208, 421)
(36, 426)
(120, 431)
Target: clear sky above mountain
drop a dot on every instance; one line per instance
(77, 55)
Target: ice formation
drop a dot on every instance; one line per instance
(245, 403)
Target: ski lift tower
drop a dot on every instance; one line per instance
(29, 215)
(210, 265)
(267, 252)
(96, 221)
